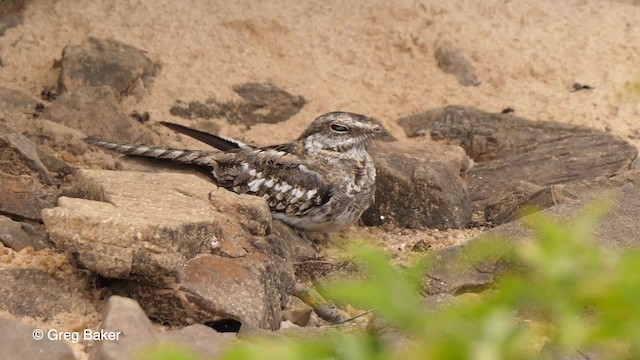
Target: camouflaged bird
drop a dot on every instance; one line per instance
(321, 182)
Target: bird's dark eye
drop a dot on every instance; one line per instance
(339, 128)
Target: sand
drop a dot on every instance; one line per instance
(372, 57)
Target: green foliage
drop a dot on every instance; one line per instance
(567, 294)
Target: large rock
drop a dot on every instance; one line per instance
(508, 150)
(457, 271)
(17, 342)
(95, 112)
(419, 185)
(106, 62)
(156, 231)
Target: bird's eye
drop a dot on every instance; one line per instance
(339, 128)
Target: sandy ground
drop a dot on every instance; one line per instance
(372, 57)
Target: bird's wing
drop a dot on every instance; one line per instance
(219, 142)
(283, 179)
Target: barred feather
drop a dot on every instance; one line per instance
(194, 157)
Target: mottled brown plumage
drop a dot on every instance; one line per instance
(323, 181)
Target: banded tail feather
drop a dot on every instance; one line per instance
(194, 157)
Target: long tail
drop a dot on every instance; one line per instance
(194, 157)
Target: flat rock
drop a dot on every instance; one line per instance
(17, 342)
(456, 271)
(37, 293)
(156, 230)
(106, 62)
(419, 185)
(454, 61)
(261, 103)
(508, 150)
(95, 112)
(18, 236)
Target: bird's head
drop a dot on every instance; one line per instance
(342, 131)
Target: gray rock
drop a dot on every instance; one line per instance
(125, 319)
(95, 112)
(106, 62)
(457, 271)
(19, 156)
(17, 342)
(419, 185)
(453, 60)
(157, 231)
(36, 293)
(18, 236)
(261, 103)
(508, 150)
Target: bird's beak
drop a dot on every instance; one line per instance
(380, 132)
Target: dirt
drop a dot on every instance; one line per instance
(371, 57)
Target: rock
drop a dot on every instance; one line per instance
(523, 200)
(508, 149)
(37, 293)
(22, 196)
(456, 271)
(158, 230)
(453, 60)
(106, 62)
(125, 319)
(207, 342)
(419, 185)
(18, 155)
(13, 235)
(11, 14)
(17, 342)
(262, 103)
(95, 112)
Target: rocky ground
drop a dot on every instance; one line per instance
(495, 107)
